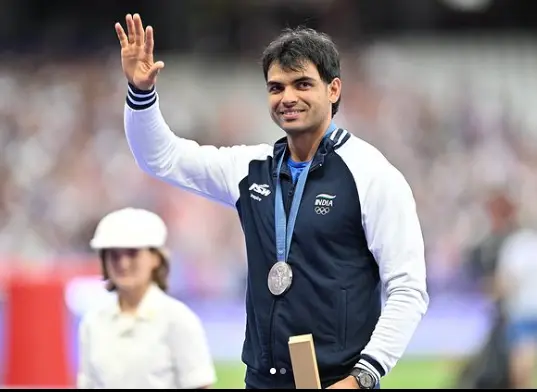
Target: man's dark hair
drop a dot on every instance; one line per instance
(293, 47)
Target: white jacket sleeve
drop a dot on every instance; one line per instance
(395, 239)
(211, 172)
(84, 378)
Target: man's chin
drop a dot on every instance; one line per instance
(293, 128)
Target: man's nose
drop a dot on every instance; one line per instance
(289, 97)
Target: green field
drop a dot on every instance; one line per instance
(409, 373)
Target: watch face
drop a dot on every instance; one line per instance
(366, 380)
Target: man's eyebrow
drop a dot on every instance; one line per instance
(297, 80)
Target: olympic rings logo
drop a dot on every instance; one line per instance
(319, 210)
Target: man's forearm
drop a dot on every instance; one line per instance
(403, 311)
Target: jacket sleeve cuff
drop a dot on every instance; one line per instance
(140, 99)
(372, 366)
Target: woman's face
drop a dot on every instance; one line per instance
(130, 269)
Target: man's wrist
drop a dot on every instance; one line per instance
(370, 364)
(363, 378)
(138, 99)
(137, 90)
(371, 367)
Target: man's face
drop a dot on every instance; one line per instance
(299, 101)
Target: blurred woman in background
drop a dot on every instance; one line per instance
(145, 339)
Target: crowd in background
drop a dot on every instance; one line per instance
(457, 121)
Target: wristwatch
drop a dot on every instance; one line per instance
(364, 378)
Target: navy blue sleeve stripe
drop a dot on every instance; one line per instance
(140, 99)
(374, 363)
(141, 106)
(371, 364)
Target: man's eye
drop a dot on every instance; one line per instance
(304, 85)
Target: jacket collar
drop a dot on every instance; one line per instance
(333, 139)
(148, 306)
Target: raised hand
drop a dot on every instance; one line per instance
(137, 53)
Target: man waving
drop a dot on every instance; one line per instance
(327, 219)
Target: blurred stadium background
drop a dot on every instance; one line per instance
(447, 89)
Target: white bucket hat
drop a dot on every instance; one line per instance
(130, 228)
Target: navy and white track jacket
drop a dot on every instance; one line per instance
(343, 252)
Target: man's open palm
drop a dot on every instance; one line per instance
(137, 53)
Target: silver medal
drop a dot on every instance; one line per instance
(280, 278)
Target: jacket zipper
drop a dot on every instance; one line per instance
(272, 334)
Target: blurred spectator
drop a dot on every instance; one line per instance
(490, 367)
(517, 277)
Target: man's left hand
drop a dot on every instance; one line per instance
(347, 383)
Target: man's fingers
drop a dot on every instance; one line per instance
(139, 30)
(130, 28)
(149, 40)
(123, 40)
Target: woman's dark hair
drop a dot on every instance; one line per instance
(294, 47)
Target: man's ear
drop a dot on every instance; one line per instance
(334, 90)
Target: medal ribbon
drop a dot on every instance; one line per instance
(284, 229)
